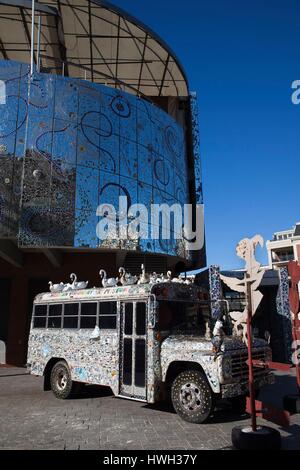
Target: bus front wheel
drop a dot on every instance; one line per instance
(192, 396)
(60, 380)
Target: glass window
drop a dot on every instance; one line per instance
(40, 311)
(127, 362)
(128, 319)
(185, 317)
(71, 315)
(108, 308)
(140, 363)
(54, 322)
(88, 322)
(71, 322)
(88, 315)
(89, 308)
(108, 315)
(55, 310)
(39, 322)
(108, 322)
(54, 318)
(71, 309)
(140, 318)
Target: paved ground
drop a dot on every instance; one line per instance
(33, 419)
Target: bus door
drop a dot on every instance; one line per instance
(133, 350)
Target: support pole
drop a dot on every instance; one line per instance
(250, 363)
(32, 37)
(39, 44)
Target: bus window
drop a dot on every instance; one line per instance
(140, 319)
(88, 315)
(108, 315)
(184, 317)
(128, 324)
(40, 316)
(71, 316)
(55, 316)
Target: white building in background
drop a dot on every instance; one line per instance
(284, 247)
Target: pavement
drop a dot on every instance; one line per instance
(33, 419)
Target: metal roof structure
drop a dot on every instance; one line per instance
(92, 40)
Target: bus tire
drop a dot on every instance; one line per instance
(192, 397)
(60, 380)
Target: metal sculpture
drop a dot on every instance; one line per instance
(248, 285)
(254, 437)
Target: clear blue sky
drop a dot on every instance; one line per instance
(241, 57)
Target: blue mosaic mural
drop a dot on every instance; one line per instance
(67, 146)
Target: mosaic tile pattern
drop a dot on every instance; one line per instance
(283, 309)
(215, 287)
(196, 147)
(13, 118)
(100, 362)
(68, 146)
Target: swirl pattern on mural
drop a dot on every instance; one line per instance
(79, 145)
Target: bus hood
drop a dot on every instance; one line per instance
(200, 343)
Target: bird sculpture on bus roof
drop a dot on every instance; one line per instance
(56, 287)
(144, 277)
(107, 282)
(127, 279)
(77, 285)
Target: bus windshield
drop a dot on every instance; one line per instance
(183, 317)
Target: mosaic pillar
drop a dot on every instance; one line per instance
(283, 309)
(196, 147)
(215, 288)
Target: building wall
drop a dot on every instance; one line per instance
(68, 145)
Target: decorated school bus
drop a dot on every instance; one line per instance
(147, 338)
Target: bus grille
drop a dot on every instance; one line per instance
(239, 366)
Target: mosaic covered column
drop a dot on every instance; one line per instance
(283, 309)
(215, 288)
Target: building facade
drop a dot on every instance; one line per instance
(93, 106)
(284, 247)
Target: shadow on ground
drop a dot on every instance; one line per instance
(223, 412)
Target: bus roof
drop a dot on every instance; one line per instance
(162, 291)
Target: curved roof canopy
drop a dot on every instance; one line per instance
(92, 40)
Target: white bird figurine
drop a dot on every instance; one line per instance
(178, 279)
(154, 278)
(110, 282)
(144, 277)
(77, 285)
(127, 279)
(56, 287)
(161, 278)
(67, 287)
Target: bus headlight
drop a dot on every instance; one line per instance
(226, 367)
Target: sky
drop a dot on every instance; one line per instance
(241, 58)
